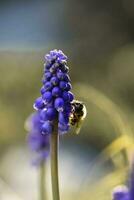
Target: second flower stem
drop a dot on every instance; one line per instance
(54, 163)
(41, 181)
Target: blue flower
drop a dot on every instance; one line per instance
(120, 193)
(39, 104)
(123, 192)
(54, 103)
(38, 142)
(46, 128)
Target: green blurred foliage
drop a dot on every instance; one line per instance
(20, 82)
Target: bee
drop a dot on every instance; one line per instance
(77, 115)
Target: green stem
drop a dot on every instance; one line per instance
(54, 163)
(41, 182)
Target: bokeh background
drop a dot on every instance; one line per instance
(98, 38)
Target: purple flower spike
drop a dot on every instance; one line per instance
(43, 115)
(42, 90)
(63, 85)
(38, 143)
(47, 97)
(60, 75)
(48, 85)
(67, 78)
(63, 128)
(48, 75)
(68, 87)
(39, 104)
(56, 92)
(46, 128)
(59, 104)
(68, 96)
(63, 118)
(53, 68)
(47, 66)
(55, 103)
(51, 114)
(54, 80)
(65, 68)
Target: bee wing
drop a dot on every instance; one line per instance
(78, 130)
(85, 112)
(78, 126)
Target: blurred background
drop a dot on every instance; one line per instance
(98, 38)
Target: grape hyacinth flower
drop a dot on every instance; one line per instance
(54, 106)
(40, 145)
(54, 103)
(38, 142)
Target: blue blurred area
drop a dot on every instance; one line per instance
(30, 24)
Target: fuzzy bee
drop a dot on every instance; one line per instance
(77, 115)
